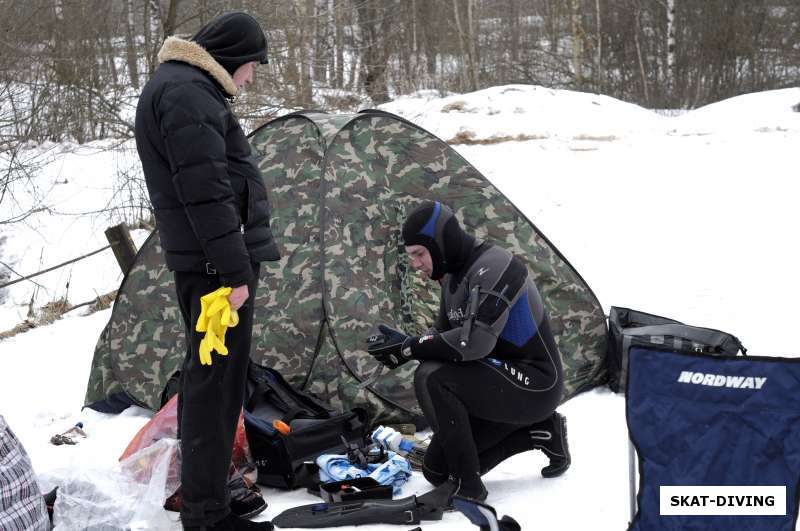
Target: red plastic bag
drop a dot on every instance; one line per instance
(165, 424)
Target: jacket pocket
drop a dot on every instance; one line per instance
(257, 209)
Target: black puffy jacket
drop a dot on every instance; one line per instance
(210, 202)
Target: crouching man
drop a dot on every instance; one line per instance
(490, 376)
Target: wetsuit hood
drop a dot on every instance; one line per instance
(434, 226)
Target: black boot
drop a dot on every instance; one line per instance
(246, 501)
(550, 436)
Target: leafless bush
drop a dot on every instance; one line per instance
(79, 81)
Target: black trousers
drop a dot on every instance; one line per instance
(480, 413)
(209, 402)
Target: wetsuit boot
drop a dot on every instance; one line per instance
(550, 436)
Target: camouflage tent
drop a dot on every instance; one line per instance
(340, 187)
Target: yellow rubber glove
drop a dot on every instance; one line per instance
(215, 318)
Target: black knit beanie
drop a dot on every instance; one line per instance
(434, 226)
(233, 39)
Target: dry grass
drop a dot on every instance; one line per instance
(52, 311)
(341, 101)
(457, 106)
(102, 302)
(598, 138)
(24, 326)
(468, 138)
(771, 130)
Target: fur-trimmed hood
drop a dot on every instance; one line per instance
(177, 49)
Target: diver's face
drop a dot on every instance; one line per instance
(420, 259)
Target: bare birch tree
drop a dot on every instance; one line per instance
(670, 44)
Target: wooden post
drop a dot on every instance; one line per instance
(122, 244)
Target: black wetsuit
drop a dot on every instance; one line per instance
(483, 395)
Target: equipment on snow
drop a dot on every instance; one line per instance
(629, 328)
(355, 489)
(440, 498)
(394, 470)
(314, 428)
(71, 436)
(315, 515)
(233, 523)
(484, 516)
(391, 439)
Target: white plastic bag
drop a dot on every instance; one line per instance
(128, 496)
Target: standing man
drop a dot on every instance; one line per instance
(212, 215)
(490, 376)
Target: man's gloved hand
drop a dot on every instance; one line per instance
(216, 316)
(390, 347)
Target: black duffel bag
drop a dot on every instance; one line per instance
(628, 328)
(314, 428)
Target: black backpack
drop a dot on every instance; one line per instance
(316, 428)
(628, 328)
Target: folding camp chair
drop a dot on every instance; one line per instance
(714, 424)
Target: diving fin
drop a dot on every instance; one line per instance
(403, 511)
(484, 516)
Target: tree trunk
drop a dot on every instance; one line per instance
(148, 38)
(319, 46)
(111, 64)
(670, 46)
(153, 28)
(577, 43)
(306, 49)
(513, 22)
(472, 36)
(554, 26)
(338, 78)
(172, 15)
(131, 54)
(599, 44)
(640, 59)
(292, 75)
(463, 52)
(430, 35)
(413, 22)
(374, 46)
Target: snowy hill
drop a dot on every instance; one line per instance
(524, 111)
(690, 217)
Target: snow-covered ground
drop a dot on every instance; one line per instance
(77, 194)
(690, 217)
